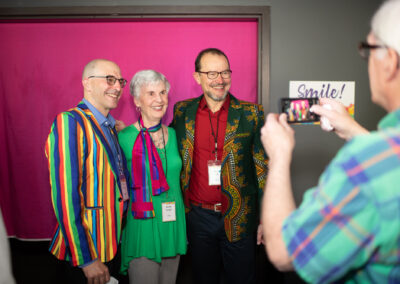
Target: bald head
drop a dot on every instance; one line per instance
(97, 89)
(94, 66)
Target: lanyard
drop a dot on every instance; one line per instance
(116, 144)
(122, 177)
(213, 134)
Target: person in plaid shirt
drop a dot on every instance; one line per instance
(347, 229)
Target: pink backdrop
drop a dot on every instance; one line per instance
(40, 76)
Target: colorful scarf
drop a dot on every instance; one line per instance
(142, 205)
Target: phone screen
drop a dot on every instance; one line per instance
(298, 109)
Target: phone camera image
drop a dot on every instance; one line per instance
(298, 109)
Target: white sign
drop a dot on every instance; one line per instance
(343, 91)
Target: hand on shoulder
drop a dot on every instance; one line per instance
(119, 125)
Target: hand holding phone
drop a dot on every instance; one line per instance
(325, 124)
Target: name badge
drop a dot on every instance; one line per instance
(214, 172)
(124, 188)
(168, 211)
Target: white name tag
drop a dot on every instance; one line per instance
(168, 211)
(214, 172)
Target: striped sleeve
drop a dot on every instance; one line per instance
(66, 155)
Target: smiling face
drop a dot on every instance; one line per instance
(214, 89)
(153, 102)
(98, 92)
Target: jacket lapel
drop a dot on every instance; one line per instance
(234, 115)
(100, 135)
(190, 119)
(188, 142)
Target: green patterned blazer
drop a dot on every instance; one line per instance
(244, 162)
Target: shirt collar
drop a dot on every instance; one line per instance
(101, 119)
(392, 119)
(203, 103)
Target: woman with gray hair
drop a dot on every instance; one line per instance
(155, 232)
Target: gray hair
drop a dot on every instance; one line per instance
(385, 24)
(146, 77)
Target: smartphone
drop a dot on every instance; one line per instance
(298, 109)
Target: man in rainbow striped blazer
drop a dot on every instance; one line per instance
(88, 178)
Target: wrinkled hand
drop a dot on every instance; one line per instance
(96, 273)
(278, 137)
(119, 125)
(260, 235)
(344, 125)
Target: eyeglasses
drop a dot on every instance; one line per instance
(364, 48)
(226, 74)
(111, 80)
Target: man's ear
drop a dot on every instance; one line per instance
(86, 84)
(196, 77)
(392, 64)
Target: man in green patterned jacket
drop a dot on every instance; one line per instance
(223, 175)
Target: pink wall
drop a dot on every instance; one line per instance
(41, 73)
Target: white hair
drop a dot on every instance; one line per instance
(385, 24)
(146, 77)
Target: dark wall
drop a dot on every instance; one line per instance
(317, 40)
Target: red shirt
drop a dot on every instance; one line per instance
(204, 150)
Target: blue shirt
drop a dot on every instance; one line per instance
(105, 122)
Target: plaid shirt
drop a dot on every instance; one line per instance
(347, 229)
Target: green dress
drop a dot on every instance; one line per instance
(152, 238)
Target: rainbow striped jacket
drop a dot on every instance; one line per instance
(85, 189)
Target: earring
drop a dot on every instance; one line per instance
(138, 109)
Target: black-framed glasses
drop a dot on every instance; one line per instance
(226, 74)
(111, 80)
(364, 48)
